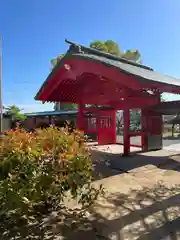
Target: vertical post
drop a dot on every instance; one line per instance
(1, 107)
(126, 136)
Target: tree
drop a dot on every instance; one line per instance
(99, 46)
(15, 112)
(55, 61)
(108, 46)
(132, 55)
(135, 119)
(113, 48)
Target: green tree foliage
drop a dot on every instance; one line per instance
(15, 112)
(37, 173)
(99, 45)
(132, 55)
(55, 61)
(135, 120)
(113, 48)
(108, 46)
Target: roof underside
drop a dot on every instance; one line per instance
(168, 108)
(93, 77)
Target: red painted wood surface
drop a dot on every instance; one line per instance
(91, 82)
(106, 127)
(91, 125)
(154, 123)
(72, 85)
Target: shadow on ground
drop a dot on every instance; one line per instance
(110, 164)
(170, 137)
(149, 213)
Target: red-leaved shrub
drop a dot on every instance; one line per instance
(38, 169)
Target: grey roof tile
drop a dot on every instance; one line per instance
(143, 73)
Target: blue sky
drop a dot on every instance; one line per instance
(33, 33)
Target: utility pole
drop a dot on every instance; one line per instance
(1, 107)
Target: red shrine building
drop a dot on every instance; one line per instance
(92, 78)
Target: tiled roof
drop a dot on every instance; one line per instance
(52, 113)
(143, 73)
(129, 67)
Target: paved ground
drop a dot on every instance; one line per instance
(134, 140)
(142, 196)
(173, 147)
(167, 142)
(142, 200)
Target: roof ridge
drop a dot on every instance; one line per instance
(78, 48)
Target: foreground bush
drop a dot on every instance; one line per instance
(38, 169)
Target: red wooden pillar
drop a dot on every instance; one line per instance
(126, 136)
(80, 117)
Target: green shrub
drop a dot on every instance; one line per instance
(38, 169)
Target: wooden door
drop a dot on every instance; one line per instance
(106, 127)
